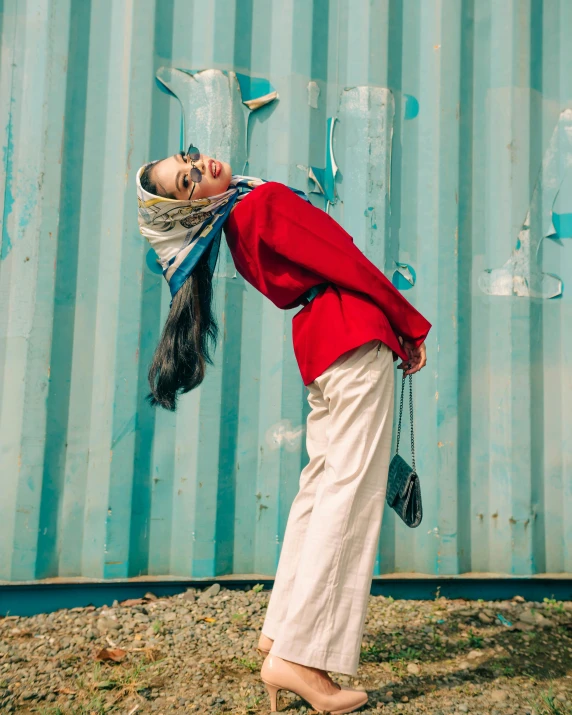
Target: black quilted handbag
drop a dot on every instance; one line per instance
(403, 489)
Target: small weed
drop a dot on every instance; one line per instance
(548, 705)
(251, 665)
(258, 587)
(407, 654)
(121, 680)
(474, 640)
(371, 654)
(397, 667)
(238, 616)
(553, 605)
(132, 675)
(253, 703)
(157, 625)
(95, 706)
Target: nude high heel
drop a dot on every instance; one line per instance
(277, 674)
(273, 692)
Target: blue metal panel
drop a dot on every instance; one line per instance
(450, 129)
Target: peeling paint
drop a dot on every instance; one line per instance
(522, 274)
(8, 161)
(562, 226)
(313, 94)
(404, 276)
(216, 108)
(325, 179)
(282, 434)
(367, 117)
(411, 107)
(255, 91)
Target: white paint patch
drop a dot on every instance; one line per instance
(313, 94)
(522, 274)
(282, 434)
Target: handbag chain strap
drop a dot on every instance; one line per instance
(411, 419)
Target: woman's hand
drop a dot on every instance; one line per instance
(417, 357)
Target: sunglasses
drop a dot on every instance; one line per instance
(194, 155)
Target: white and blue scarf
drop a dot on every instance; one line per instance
(180, 232)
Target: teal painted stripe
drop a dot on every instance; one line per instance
(421, 192)
(152, 428)
(54, 33)
(246, 503)
(468, 520)
(31, 260)
(128, 402)
(76, 45)
(447, 63)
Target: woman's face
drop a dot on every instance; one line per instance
(173, 177)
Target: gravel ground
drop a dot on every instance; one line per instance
(194, 653)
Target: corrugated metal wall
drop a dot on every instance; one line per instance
(464, 100)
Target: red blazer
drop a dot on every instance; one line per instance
(283, 245)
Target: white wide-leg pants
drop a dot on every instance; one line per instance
(318, 605)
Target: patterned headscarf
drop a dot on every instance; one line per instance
(180, 232)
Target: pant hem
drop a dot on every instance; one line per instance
(323, 660)
(269, 630)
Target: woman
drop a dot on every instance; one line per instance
(352, 325)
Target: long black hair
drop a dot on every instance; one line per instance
(189, 333)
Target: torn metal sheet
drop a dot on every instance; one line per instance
(411, 106)
(216, 108)
(313, 94)
(256, 91)
(562, 226)
(562, 210)
(325, 179)
(522, 275)
(404, 276)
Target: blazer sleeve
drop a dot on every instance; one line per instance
(307, 236)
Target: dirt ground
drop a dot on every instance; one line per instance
(194, 652)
